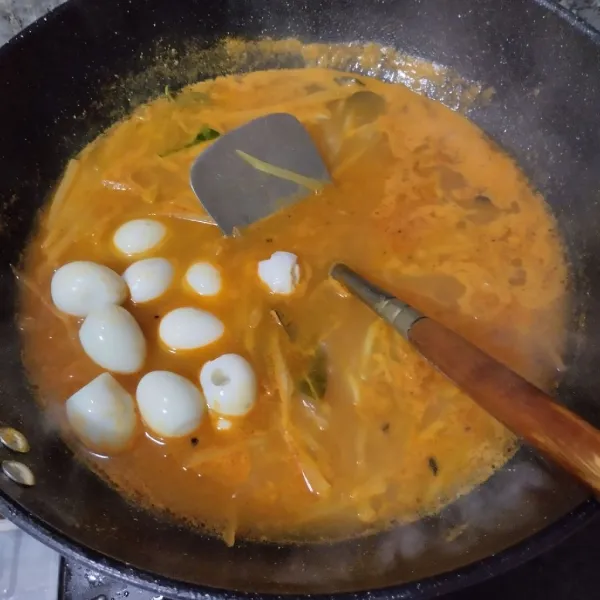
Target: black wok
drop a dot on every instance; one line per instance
(60, 85)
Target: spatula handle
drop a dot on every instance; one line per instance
(523, 408)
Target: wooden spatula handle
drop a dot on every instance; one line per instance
(522, 407)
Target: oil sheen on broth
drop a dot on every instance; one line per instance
(422, 202)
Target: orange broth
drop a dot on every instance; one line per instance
(422, 202)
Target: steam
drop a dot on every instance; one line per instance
(506, 503)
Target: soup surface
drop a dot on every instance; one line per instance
(351, 430)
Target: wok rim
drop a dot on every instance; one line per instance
(433, 586)
(430, 587)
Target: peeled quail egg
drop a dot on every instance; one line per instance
(204, 279)
(138, 236)
(82, 286)
(102, 415)
(189, 328)
(170, 405)
(229, 385)
(148, 279)
(280, 273)
(112, 338)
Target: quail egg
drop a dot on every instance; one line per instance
(82, 286)
(189, 328)
(139, 236)
(102, 415)
(229, 385)
(171, 405)
(204, 279)
(148, 279)
(112, 338)
(280, 273)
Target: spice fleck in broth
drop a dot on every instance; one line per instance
(350, 429)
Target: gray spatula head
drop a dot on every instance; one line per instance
(234, 192)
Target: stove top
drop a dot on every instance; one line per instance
(569, 572)
(28, 570)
